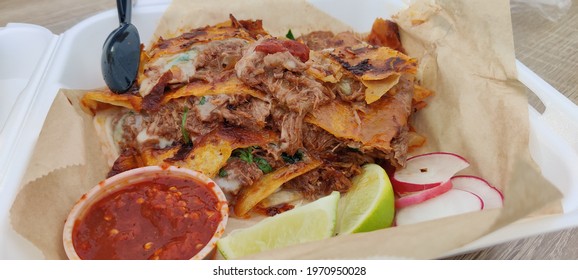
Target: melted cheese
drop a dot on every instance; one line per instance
(144, 137)
(103, 124)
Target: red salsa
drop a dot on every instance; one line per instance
(167, 218)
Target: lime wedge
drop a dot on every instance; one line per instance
(369, 205)
(311, 222)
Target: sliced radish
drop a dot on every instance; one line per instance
(453, 202)
(421, 196)
(427, 171)
(491, 196)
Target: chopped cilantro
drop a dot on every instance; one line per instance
(246, 154)
(263, 165)
(223, 173)
(290, 35)
(184, 131)
(203, 101)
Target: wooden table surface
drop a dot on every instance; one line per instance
(549, 48)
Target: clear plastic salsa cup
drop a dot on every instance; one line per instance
(148, 213)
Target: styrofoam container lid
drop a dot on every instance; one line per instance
(16, 70)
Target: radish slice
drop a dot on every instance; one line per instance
(427, 171)
(421, 196)
(453, 202)
(491, 196)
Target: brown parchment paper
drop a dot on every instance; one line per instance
(479, 111)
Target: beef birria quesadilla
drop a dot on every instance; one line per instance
(275, 121)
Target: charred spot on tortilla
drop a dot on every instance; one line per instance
(357, 69)
(182, 153)
(151, 102)
(128, 159)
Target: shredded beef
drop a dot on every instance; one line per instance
(281, 75)
(277, 209)
(167, 121)
(320, 182)
(320, 40)
(328, 147)
(318, 141)
(399, 144)
(341, 163)
(131, 124)
(250, 113)
(217, 61)
(243, 172)
(290, 125)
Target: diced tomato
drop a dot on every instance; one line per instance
(296, 48)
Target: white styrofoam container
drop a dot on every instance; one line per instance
(72, 60)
